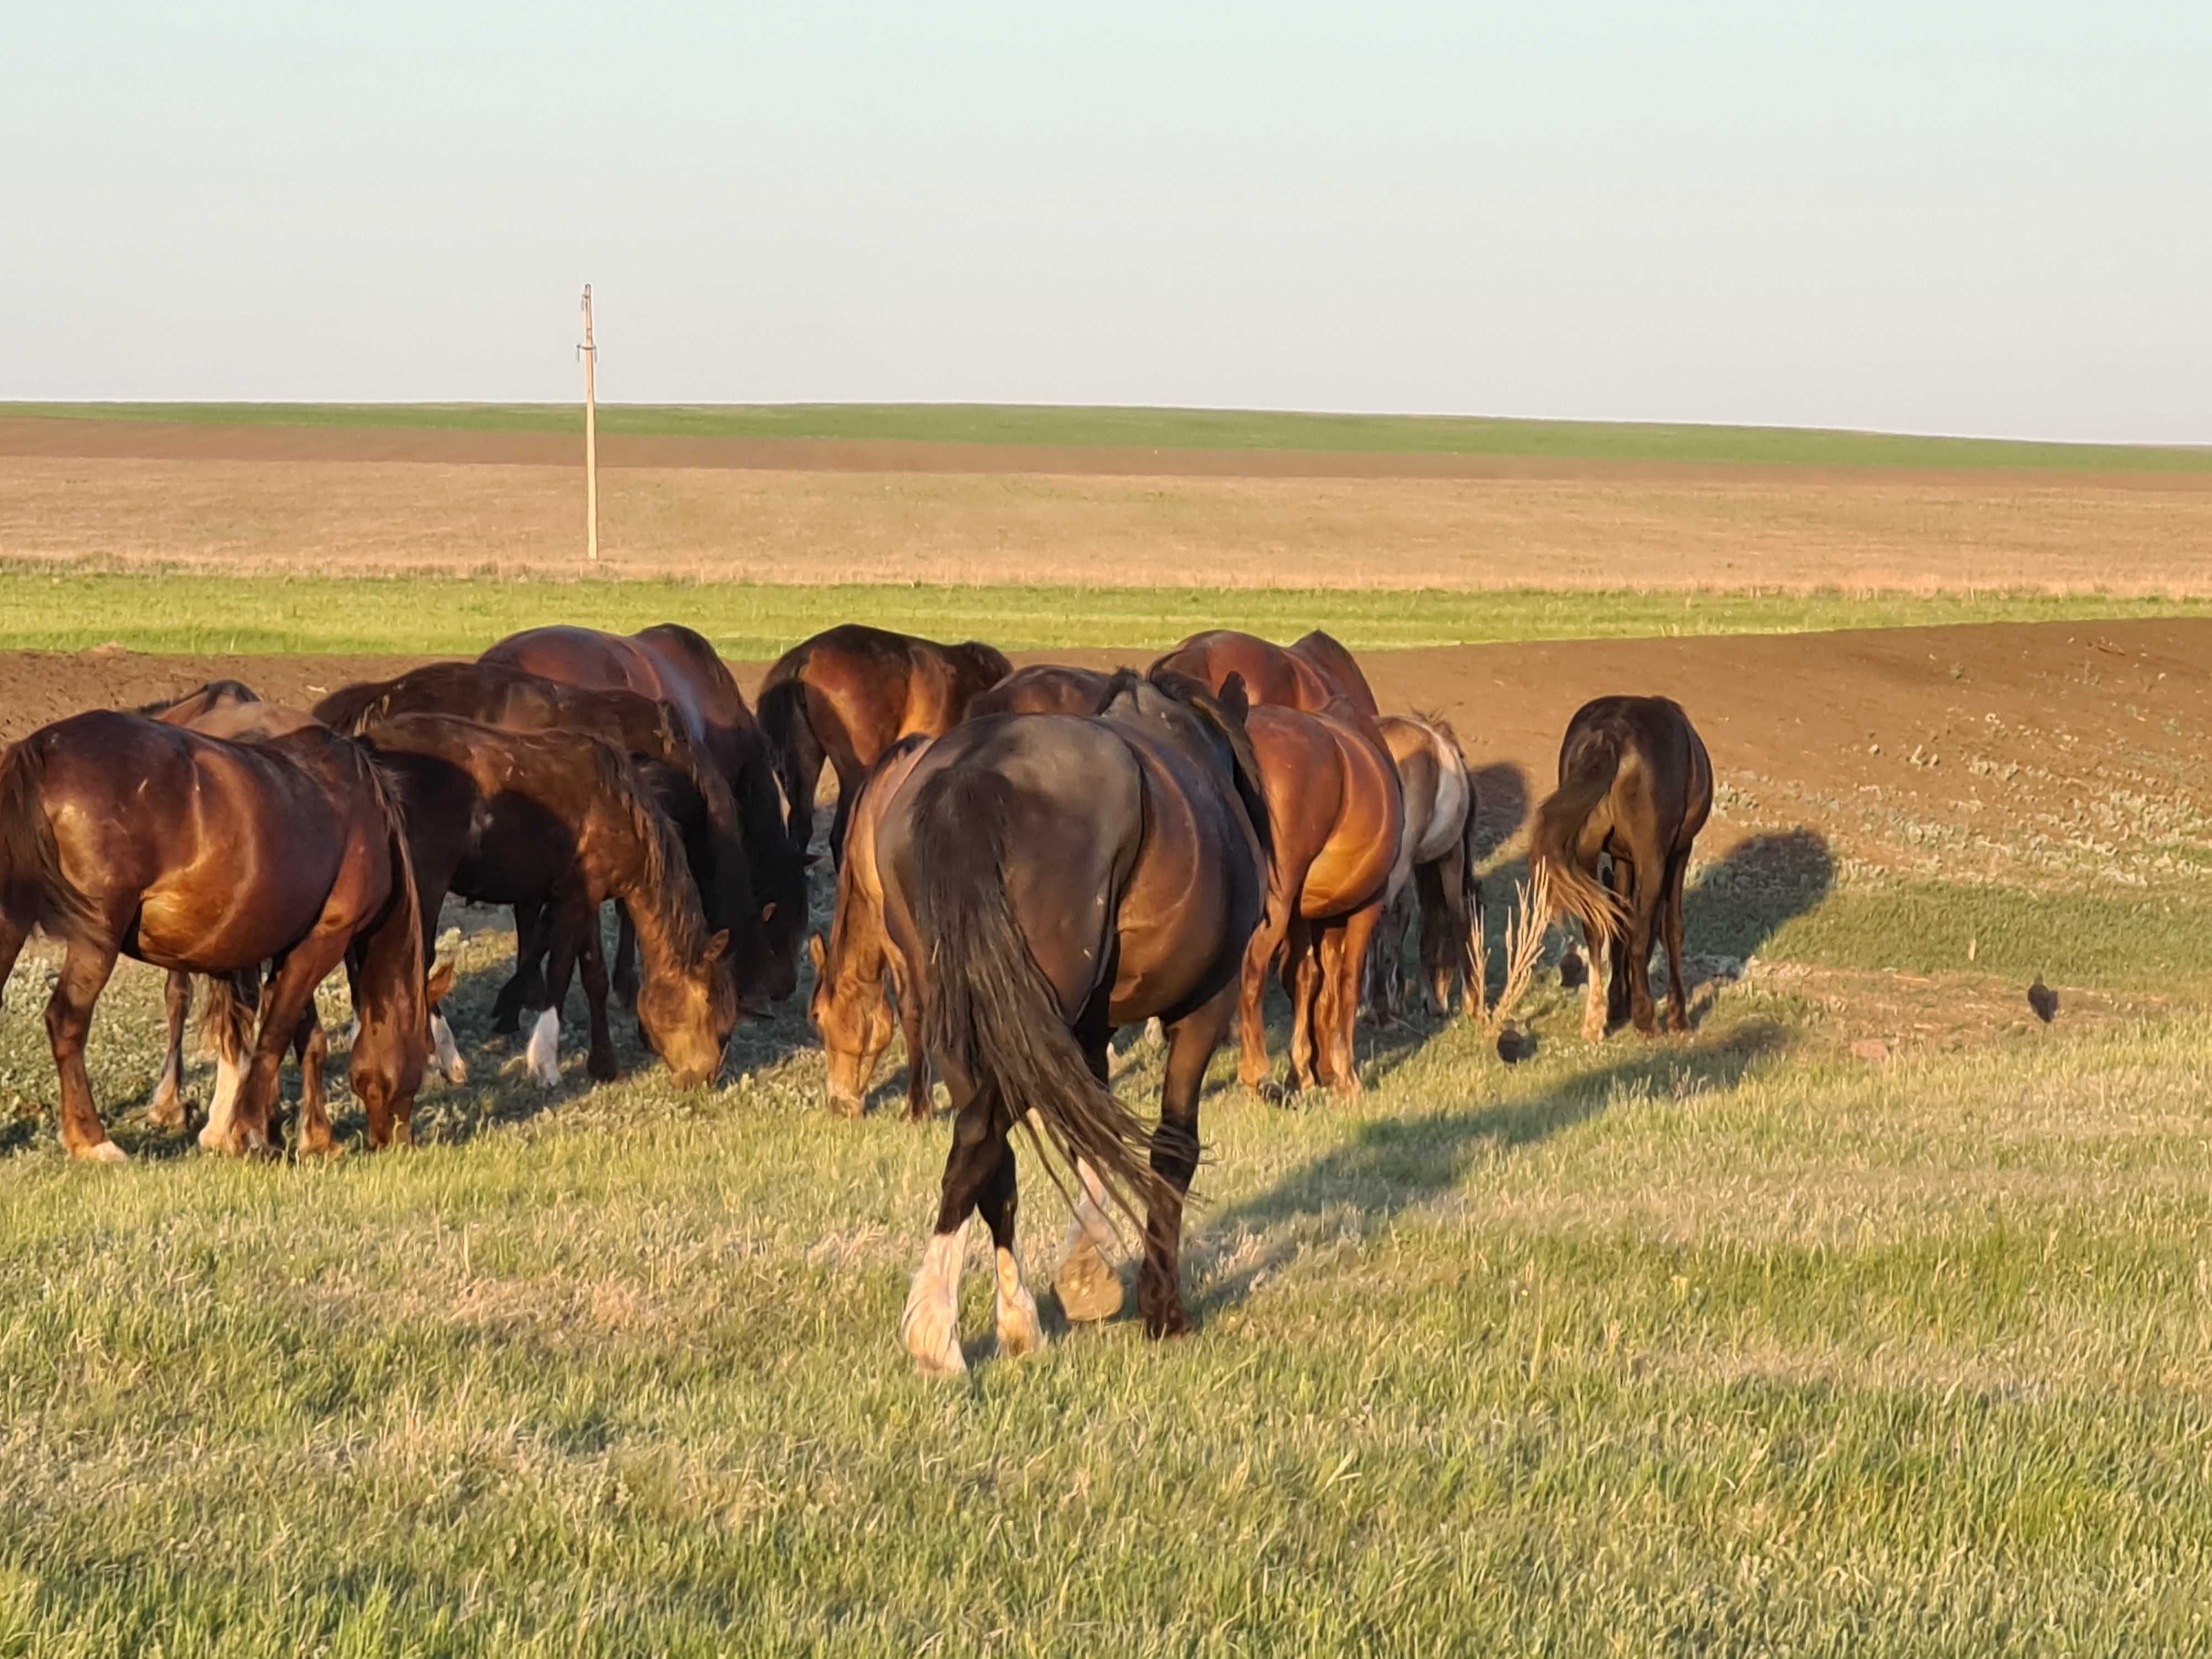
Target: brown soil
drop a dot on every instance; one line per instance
(2054, 747)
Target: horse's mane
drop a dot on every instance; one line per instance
(666, 882)
(986, 663)
(234, 690)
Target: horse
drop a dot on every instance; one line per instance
(122, 835)
(1041, 688)
(1337, 819)
(848, 694)
(499, 694)
(1635, 786)
(860, 975)
(1308, 674)
(560, 820)
(1048, 879)
(1440, 831)
(675, 666)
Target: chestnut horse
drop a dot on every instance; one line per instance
(860, 975)
(1635, 788)
(121, 835)
(1440, 830)
(560, 820)
(850, 693)
(1307, 675)
(1048, 879)
(1338, 818)
(675, 665)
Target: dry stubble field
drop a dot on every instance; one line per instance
(1872, 1316)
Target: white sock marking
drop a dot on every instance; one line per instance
(451, 1066)
(215, 1135)
(930, 1326)
(545, 1050)
(1019, 1330)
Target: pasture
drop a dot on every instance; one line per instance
(1874, 1316)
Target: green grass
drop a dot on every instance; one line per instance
(70, 611)
(1709, 1347)
(1190, 429)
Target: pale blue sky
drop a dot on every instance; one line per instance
(1967, 217)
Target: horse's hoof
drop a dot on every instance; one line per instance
(1166, 1322)
(933, 1340)
(1089, 1290)
(601, 1068)
(1275, 1093)
(1019, 1333)
(100, 1151)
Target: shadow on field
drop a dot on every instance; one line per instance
(1741, 900)
(1501, 805)
(1394, 1164)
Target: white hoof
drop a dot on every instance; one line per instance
(101, 1152)
(451, 1066)
(544, 1052)
(1089, 1289)
(1019, 1333)
(930, 1326)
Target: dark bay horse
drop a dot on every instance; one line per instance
(1635, 786)
(1049, 879)
(675, 665)
(124, 836)
(1042, 689)
(1309, 674)
(559, 820)
(1337, 816)
(850, 693)
(861, 976)
(499, 694)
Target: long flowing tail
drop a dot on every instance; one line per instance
(1577, 891)
(992, 1016)
(392, 1048)
(34, 890)
(796, 751)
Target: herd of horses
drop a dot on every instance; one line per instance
(1027, 862)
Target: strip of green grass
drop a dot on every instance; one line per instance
(1191, 429)
(42, 610)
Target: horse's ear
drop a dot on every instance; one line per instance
(441, 982)
(820, 954)
(768, 912)
(716, 946)
(1232, 697)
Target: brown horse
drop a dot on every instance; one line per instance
(560, 820)
(1042, 689)
(673, 665)
(850, 693)
(859, 976)
(1635, 788)
(1440, 829)
(1046, 880)
(1308, 674)
(121, 835)
(1338, 818)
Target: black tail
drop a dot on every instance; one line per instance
(1577, 891)
(782, 716)
(992, 1016)
(35, 892)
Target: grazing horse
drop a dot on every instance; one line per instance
(850, 693)
(121, 835)
(858, 972)
(560, 820)
(1048, 879)
(1635, 788)
(499, 694)
(1338, 818)
(675, 665)
(1042, 689)
(1440, 829)
(1308, 674)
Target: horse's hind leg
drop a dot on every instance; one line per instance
(599, 1059)
(1304, 980)
(625, 980)
(1670, 918)
(1259, 956)
(999, 1201)
(1088, 1286)
(1191, 1043)
(287, 999)
(167, 1109)
(525, 986)
(1345, 948)
(1647, 897)
(930, 1326)
(312, 1047)
(69, 1016)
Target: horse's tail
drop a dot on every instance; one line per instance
(394, 1003)
(1577, 891)
(992, 1017)
(34, 890)
(1470, 831)
(227, 1021)
(792, 746)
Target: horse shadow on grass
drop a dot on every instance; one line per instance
(1740, 900)
(1392, 1165)
(1501, 805)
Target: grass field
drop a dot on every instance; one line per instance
(51, 610)
(1186, 428)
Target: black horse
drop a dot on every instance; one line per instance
(1635, 788)
(1049, 879)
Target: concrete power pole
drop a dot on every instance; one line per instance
(589, 353)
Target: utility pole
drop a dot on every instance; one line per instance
(589, 353)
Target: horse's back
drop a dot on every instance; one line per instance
(1327, 654)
